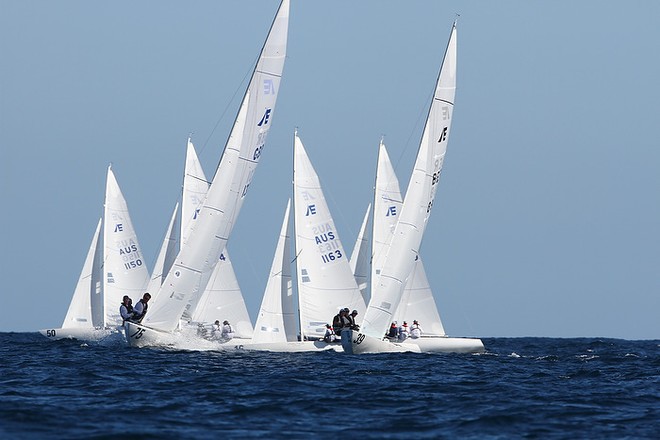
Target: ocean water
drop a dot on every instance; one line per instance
(520, 388)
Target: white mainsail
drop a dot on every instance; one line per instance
(217, 214)
(404, 248)
(361, 256)
(125, 271)
(325, 279)
(417, 301)
(79, 314)
(276, 321)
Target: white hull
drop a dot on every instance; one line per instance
(358, 343)
(140, 336)
(83, 334)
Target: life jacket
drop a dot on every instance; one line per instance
(337, 322)
(415, 331)
(394, 332)
(129, 311)
(139, 317)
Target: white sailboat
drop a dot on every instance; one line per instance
(324, 276)
(397, 268)
(324, 279)
(218, 212)
(114, 267)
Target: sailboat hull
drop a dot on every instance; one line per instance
(359, 343)
(442, 344)
(139, 336)
(82, 334)
(355, 342)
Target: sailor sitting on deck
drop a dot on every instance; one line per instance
(126, 309)
(351, 319)
(227, 331)
(215, 329)
(340, 321)
(394, 331)
(403, 331)
(415, 330)
(329, 334)
(140, 308)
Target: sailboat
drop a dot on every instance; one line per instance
(324, 278)
(217, 214)
(114, 267)
(401, 259)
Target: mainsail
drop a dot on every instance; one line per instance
(218, 212)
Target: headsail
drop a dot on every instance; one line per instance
(361, 256)
(325, 279)
(276, 321)
(79, 314)
(167, 253)
(221, 206)
(404, 248)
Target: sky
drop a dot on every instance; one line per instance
(547, 218)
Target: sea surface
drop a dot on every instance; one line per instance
(520, 388)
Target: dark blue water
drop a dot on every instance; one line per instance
(521, 388)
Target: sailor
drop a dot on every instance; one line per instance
(415, 330)
(394, 331)
(126, 309)
(215, 329)
(345, 318)
(338, 323)
(227, 331)
(329, 334)
(351, 318)
(140, 308)
(403, 331)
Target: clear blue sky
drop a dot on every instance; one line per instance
(547, 219)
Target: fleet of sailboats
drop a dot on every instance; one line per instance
(193, 283)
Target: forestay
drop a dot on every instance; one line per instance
(404, 248)
(217, 214)
(325, 279)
